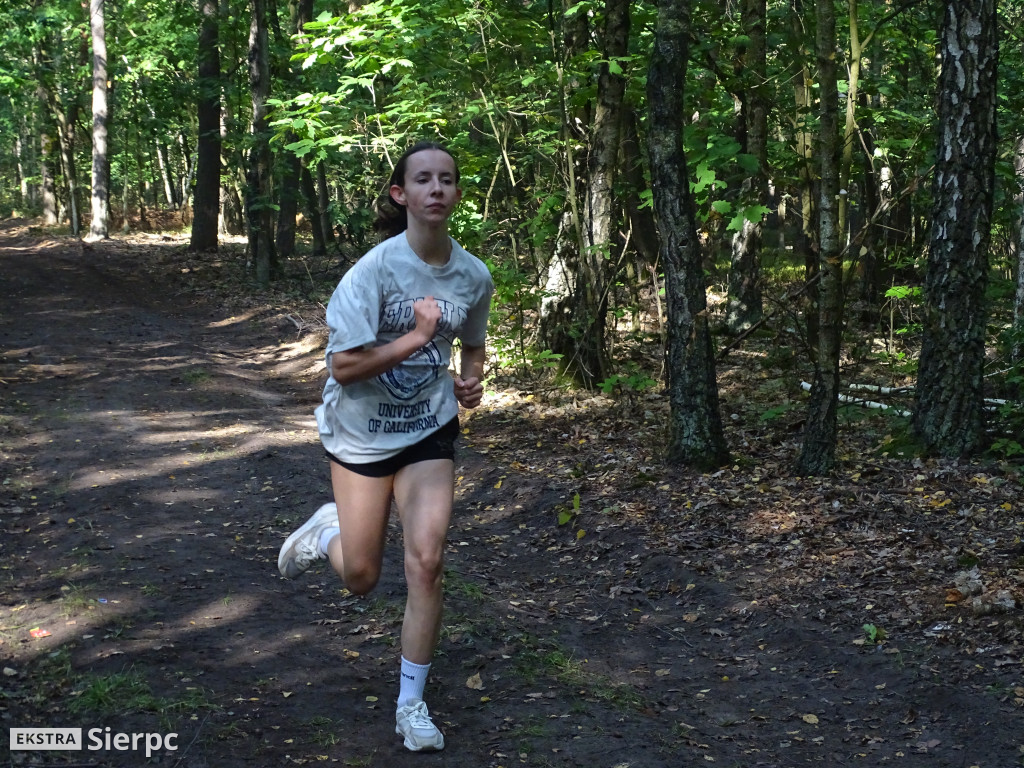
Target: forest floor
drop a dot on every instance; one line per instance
(603, 610)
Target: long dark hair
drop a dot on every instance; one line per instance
(392, 218)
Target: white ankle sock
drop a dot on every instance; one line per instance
(414, 678)
(325, 538)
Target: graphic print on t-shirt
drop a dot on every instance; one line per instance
(404, 382)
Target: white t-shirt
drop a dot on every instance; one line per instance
(373, 420)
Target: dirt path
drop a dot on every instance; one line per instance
(156, 451)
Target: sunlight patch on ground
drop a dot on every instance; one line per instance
(193, 426)
(234, 320)
(79, 613)
(222, 609)
(300, 348)
(499, 400)
(201, 448)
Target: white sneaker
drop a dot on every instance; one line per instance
(414, 724)
(302, 548)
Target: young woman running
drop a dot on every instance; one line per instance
(389, 416)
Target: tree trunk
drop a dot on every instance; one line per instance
(643, 236)
(554, 327)
(288, 205)
(555, 317)
(288, 191)
(49, 198)
(125, 194)
(206, 204)
(165, 175)
(1017, 251)
(597, 265)
(66, 128)
(323, 195)
(869, 263)
(140, 182)
(20, 168)
(948, 411)
(820, 433)
(695, 430)
(745, 306)
(232, 204)
(188, 170)
(850, 129)
(807, 238)
(313, 210)
(99, 227)
(258, 195)
(573, 313)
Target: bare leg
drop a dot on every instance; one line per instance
(364, 504)
(424, 492)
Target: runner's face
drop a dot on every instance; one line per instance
(430, 190)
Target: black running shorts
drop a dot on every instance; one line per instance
(437, 445)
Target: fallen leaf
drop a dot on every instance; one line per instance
(812, 719)
(475, 683)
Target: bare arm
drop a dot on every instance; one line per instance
(361, 364)
(469, 388)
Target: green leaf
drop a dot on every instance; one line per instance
(749, 213)
(705, 178)
(301, 148)
(903, 292)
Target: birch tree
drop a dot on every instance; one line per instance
(695, 426)
(206, 205)
(948, 410)
(99, 226)
(817, 454)
(745, 305)
(1017, 251)
(258, 180)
